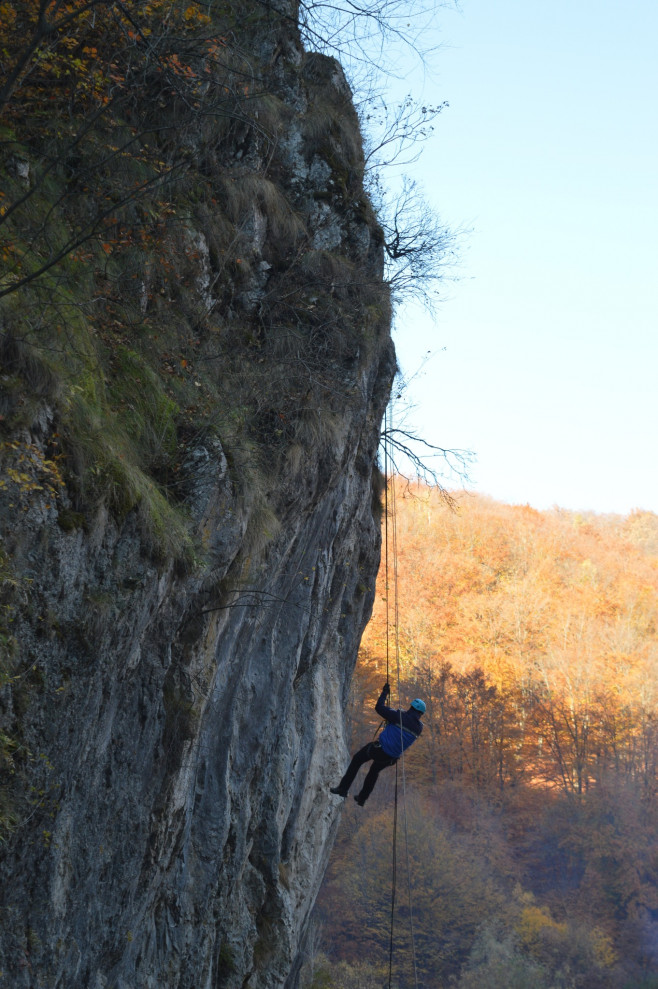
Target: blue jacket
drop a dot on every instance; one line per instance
(402, 730)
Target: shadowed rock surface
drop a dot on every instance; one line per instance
(175, 726)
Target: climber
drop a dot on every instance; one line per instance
(403, 728)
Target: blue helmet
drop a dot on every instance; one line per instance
(418, 705)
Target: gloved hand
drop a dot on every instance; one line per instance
(386, 689)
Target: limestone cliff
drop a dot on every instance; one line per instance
(190, 531)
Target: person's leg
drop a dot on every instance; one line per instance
(358, 759)
(380, 761)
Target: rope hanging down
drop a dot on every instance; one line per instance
(392, 539)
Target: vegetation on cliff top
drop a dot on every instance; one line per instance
(160, 282)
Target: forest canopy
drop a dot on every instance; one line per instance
(531, 798)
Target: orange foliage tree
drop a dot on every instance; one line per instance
(533, 638)
(102, 106)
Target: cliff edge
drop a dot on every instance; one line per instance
(195, 361)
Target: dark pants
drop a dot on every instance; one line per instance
(372, 751)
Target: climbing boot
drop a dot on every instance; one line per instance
(337, 790)
(359, 799)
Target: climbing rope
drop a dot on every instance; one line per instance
(387, 475)
(396, 625)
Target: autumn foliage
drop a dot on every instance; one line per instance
(84, 51)
(97, 99)
(544, 623)
(531, 797)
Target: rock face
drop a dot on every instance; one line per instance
(180, 726)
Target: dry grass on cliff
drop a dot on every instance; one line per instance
(166, 291)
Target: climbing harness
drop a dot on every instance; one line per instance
(388, 477)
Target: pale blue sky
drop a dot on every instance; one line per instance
(548, 154)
